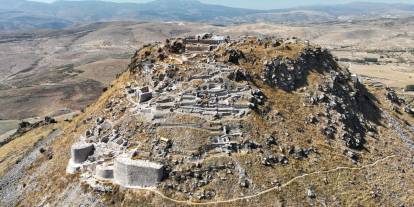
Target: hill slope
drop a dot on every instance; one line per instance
(254, 122)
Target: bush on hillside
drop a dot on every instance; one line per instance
(409, 88)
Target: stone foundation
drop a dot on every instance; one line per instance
(81, 151)
(137, 173)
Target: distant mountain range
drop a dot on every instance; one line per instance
(23, 14)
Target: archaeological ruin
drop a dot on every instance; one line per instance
(200, 111)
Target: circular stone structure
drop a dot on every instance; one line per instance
(104, 172)
(81, 151)
(137, 173)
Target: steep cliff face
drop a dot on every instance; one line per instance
(255, 122)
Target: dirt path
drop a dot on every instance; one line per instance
(187, 202)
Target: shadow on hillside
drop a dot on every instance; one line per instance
(356, 106)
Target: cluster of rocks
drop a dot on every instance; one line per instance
(409, 110)
(312, 119)
(294, 152)
(26, 126)
(301, 153)
(192, 180)
(258, 99)
(352, 155)
(234, 56)
(176, 46)
(392, 96)
(347, 107)
(271, 160)
(396, 102)
(289, 74)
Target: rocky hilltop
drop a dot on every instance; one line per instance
(207, 120)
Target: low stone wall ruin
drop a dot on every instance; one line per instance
(203, 41)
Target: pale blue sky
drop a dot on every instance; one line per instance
(269, 4)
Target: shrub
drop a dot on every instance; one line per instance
(409, 88)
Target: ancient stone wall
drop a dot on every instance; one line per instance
(137, 173)
(81, 151)
(207, 42)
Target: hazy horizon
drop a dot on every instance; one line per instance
(262, 4)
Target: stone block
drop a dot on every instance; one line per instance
(137, 173)
(104, 172)
(144, 97)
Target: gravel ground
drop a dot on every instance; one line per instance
(405, 137)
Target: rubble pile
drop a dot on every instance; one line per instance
(409, 110)
(398, 103)
(392, 96)
(339, 93)
(176, 46)
(343, 116)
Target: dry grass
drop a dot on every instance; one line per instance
(181, 136)
(55, 180)
(337, 188)
(16, 149)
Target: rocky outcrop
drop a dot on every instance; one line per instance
(289, 74)
(339, 94)
(234, 56)
(409, 110)
(392, 96)
(176, 46)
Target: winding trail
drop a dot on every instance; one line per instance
(188, 202)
